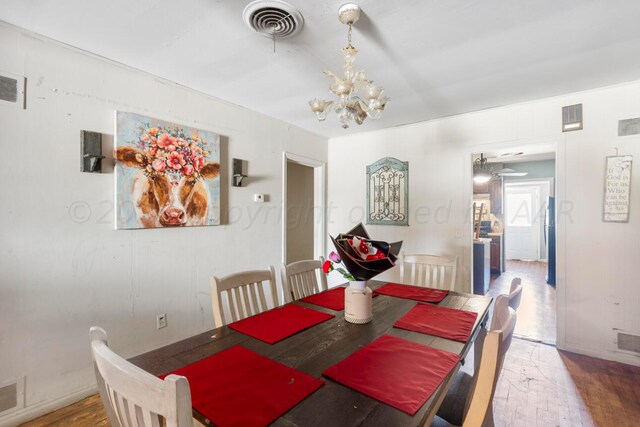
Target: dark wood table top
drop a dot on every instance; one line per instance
(321, 346)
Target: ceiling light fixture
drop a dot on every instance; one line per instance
(510, 172)
(482, 172)
(351, 107)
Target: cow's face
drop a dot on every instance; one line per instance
(168, 200)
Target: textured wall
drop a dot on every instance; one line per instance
(64, 268)
(597, 261)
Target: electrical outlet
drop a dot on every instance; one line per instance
(161, 320)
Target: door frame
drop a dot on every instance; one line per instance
(560, 194)
(319, 202)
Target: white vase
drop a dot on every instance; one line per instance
(357, 303)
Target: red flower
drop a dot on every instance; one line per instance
(175, 160)
(327, 267)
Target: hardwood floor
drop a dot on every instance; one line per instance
(539, 386)
(537, 311)
(87, 412)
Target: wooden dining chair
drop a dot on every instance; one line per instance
(515, 293)
(303, 278)
(456, 408)
(501, 312)
(429, 271)
(245, 295)
(134, 397)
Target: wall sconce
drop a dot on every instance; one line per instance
(91, 151)
(239, 172)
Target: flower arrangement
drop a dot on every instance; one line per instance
(171, 151)
(362, 257)
(329, 266)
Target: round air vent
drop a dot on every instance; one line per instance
(273, 18)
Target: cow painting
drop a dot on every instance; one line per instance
(166, 174)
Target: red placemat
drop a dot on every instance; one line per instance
(332, 299)
(238, 387)
(280, 323)
(396, 371)
(440, 321)
(413, 292)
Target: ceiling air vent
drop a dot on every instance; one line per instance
(273, 18)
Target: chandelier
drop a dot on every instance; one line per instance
(482, 172)
(353, 88)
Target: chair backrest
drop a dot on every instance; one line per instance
(303, 278)
(501, 313)
(494, 349)
(515, 293)
(429, 270)
(134, 397)
(245, 295)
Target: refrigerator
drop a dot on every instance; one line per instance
(550, 239)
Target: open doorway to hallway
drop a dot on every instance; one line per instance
(303, 215)
(517, 229)
(300, 213)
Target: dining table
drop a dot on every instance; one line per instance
(317, 348)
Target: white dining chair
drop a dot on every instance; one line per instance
(133, 397)
(515, 293)
(430, 271)
(301, 279)
(456, 408)
(244, 293)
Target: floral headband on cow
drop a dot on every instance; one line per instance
(170, 151)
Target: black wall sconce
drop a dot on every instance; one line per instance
(90, 151)
(239, 172)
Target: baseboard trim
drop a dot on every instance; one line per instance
(34, 411)
(613, 356)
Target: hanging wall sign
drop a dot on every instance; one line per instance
(388, 192)
(617, 189)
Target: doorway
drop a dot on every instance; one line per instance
(303, 216)
(524, 217)
(516, 231)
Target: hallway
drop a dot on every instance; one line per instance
(537, 311)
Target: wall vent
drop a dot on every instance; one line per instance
(628, 342)
(12, 90)
(571, 118)
(629, 127)
(12, 395)
(8, 89)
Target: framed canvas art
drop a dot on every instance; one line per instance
(167, 175)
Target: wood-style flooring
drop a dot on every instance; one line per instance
(537, 311)
(539, 386)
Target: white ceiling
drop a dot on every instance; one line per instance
(435, 58)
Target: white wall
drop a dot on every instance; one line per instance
(597, 262)
(64, 268)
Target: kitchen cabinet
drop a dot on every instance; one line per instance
(495, 195)
(494, 189)
(481, 188)
(481, 267)
(496, 255)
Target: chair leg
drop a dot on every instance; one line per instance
(477, 349)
